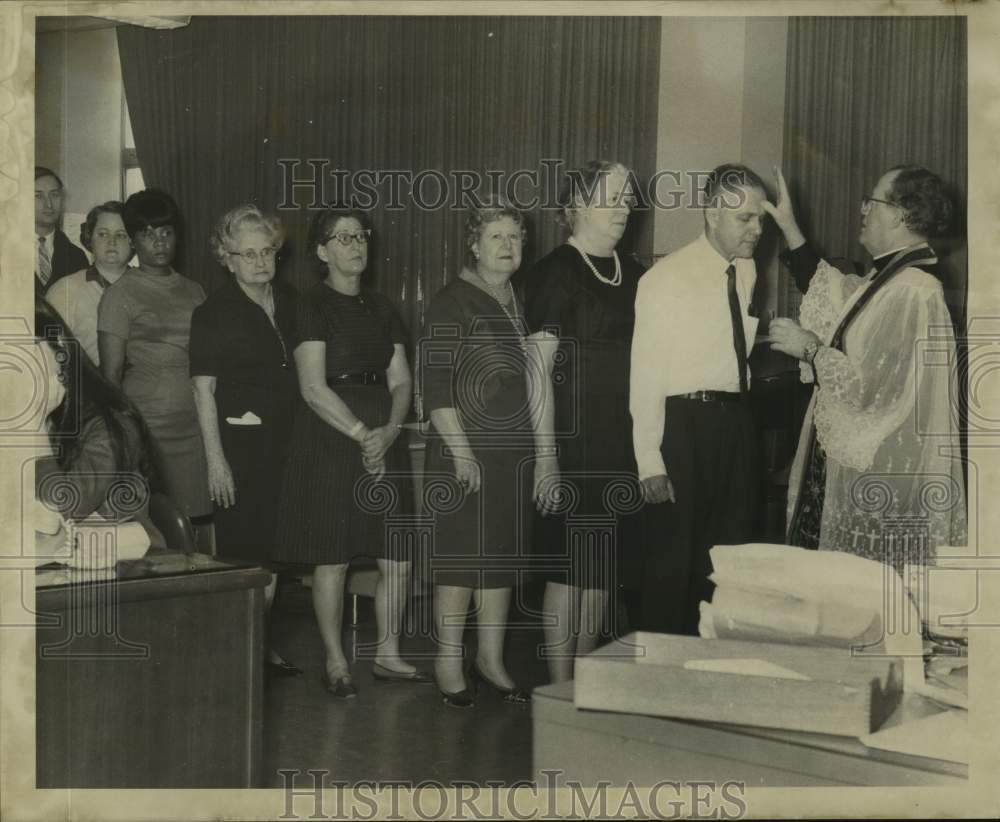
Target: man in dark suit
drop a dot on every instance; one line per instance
(55, 255)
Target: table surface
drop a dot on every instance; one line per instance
(159, 574)
(912, 707)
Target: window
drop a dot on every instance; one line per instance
(132, 180)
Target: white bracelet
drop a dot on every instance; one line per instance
(356, 429)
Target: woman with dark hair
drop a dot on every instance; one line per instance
(100, 461)
(347, 467)
(245, 389)
(878, 469)
(476, 388)
(143, 329)
(77, 295)
(580, 308)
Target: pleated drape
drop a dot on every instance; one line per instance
(865, 94)
(216, 105)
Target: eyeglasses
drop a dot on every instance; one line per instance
(344, 237)
(252, 257)
(866, 203)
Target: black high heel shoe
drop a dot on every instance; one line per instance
(465, 698)
(515, 696)
(342, 687)
(282, 668)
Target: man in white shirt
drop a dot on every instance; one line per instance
(693, 432)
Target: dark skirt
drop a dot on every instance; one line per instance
(256, 456)
(480, 540)
(331, 509)
(594, 540)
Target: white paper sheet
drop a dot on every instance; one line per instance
(744, 667)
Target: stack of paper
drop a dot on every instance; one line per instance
(780, 593)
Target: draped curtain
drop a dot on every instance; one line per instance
(216, 105)
(863, 95)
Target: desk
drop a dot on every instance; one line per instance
(591, 746)
(153, 678)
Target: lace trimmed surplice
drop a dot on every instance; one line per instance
(885, 414)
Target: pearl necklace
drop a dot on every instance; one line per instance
(498, 295)
(614, 281)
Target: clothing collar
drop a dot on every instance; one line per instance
(93, 275)
(882, 260)
(712, 256)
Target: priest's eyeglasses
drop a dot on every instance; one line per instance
(866, 203)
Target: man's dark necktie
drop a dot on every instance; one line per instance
(739, 335)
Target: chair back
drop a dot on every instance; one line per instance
(172, 523)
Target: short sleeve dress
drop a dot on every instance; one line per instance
(256, 393)
(594, 322)
(473, 360)
(331, 509)
(152, 314)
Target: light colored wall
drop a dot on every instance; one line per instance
(78, 98)
(722, 99)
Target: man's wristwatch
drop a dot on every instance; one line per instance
(809, 352)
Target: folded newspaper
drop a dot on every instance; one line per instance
(785, 594)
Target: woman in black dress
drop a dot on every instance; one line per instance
(245, 389)
(580, 309)
(478, 481)
(347, 468)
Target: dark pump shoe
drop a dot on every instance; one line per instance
(515, 696)
(282, 668)
(342, 687)
(383, 674)
(457, 699)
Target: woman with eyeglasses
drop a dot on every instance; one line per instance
(347, 466)
(143, 330)
(245, 389)
(76, 296)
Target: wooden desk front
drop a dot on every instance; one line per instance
(152, 680)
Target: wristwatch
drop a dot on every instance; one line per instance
(809, 352)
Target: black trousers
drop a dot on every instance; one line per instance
(710, 452)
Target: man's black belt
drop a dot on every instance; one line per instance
(358, 378)
(709, 396)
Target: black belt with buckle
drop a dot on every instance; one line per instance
(711, 396)
(360, 378)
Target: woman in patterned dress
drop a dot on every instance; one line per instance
(347, 467)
